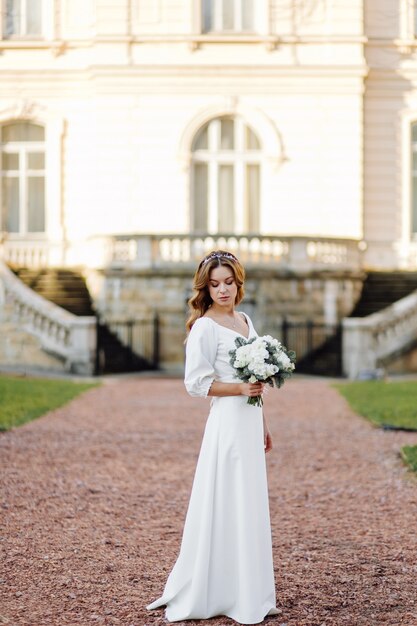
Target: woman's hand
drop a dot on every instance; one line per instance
(235, 389)
(267, 437)
(251, 389)
(267, 441)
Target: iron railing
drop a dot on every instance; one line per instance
(126, 345)
(317, 345)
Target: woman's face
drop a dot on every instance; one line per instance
(222, 286)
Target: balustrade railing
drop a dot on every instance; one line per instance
(371, 342)
(69, 337)
(292, 252)
(26, 253)
(152, 251)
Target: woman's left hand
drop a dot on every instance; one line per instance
(267, 441)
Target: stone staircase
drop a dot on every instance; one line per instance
(68, 289)
(380, 290)
(37, 334)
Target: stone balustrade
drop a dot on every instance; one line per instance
(70, 338)
(151, 251)
(33, 253)
(369, 342)
(295, 253)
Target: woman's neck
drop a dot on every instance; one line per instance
(223, 311)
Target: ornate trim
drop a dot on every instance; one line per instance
(271, 138)
(24, 109)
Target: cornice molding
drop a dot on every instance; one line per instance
(194, 41)
(241, 71)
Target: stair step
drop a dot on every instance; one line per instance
(68, 290)
(65, 288)
(380, 289)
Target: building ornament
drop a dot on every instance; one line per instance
(23, 109)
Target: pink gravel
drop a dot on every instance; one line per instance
(94, 495)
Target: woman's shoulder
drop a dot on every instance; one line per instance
(245, 316)
(249, 323)
(203, 324)
(200, 321)
(203, 334)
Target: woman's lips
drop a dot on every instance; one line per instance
(223, 297)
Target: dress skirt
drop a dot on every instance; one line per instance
(225, 563)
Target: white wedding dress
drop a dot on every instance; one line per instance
(225, 562)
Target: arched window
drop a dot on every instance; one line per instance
(226, 170)
(23, 178)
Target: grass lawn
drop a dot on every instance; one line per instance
(383, 403)
(24, 399)
(386, 404)
(409, 455)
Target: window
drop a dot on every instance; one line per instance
(22, 18)
(23, 178)
(226, 174)
(228, 16)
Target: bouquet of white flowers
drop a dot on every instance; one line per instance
(262, 359)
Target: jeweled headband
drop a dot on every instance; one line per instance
(218, 255)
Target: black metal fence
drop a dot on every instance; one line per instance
(317, 345)
(134, 345)
(127, 345)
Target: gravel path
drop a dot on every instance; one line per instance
(94, 495)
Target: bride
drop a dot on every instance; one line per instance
(225, 563)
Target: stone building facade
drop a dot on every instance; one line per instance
(289, 127)
(177, 116)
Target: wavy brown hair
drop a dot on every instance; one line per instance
(200, 301)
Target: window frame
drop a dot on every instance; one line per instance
(45, 5)
(239, 157)
(24, 173)
(237, 16)
(261, 32)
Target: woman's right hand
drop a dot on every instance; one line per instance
(252, 389)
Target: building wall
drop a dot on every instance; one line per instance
(132, 81)
(329, 86)
(390, 108)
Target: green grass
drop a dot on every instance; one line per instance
(409, 456)
(24, 399)
(389, 404)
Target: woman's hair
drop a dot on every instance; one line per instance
(200, 301)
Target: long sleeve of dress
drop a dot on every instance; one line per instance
(200, 355)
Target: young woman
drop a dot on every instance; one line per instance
(225, 563)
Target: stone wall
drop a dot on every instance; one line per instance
(270, 295)
(404, 364)
(21, 350)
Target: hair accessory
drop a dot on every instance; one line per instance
(218, 255)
